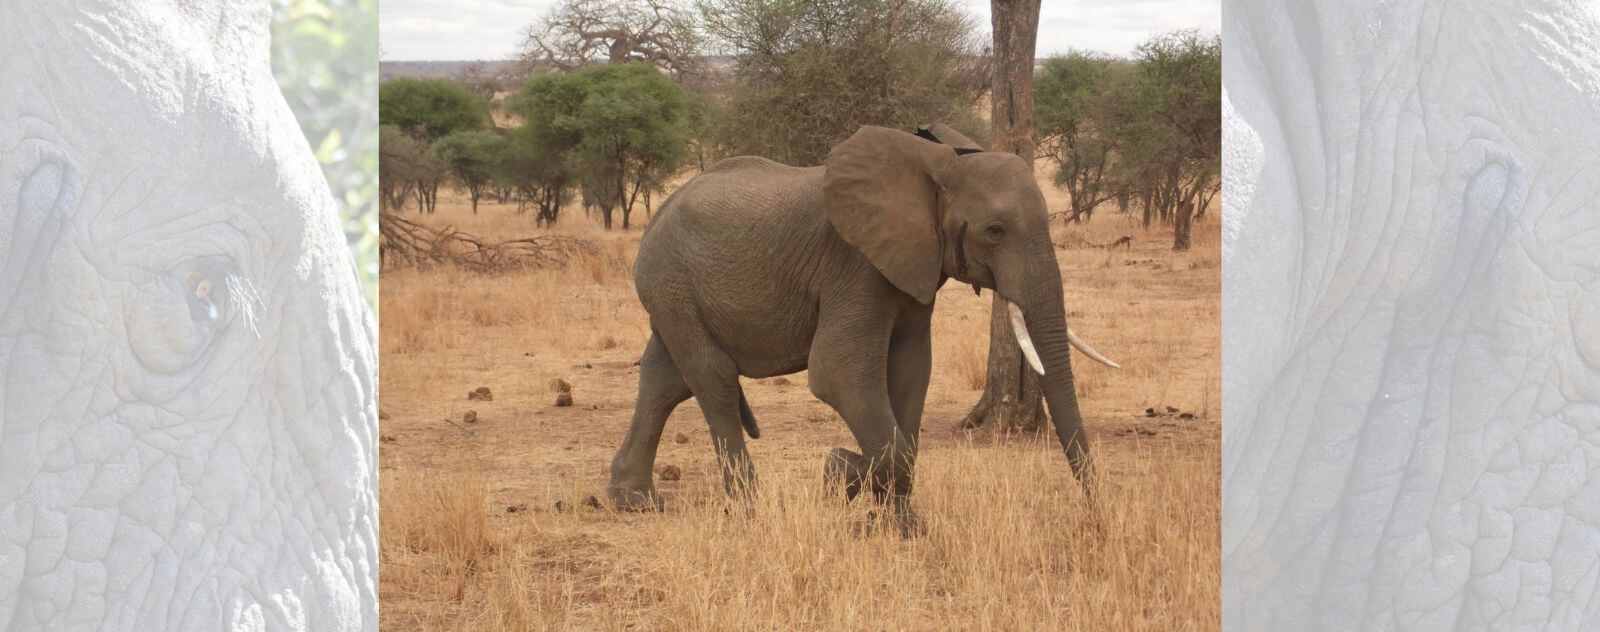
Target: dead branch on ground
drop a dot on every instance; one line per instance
(404, 242)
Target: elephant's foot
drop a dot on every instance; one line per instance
(910, 525)
(844, 468)
(903, 520)
(629, 498)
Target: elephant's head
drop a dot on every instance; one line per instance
(187, 405)
(1412, 295)
(923, 212)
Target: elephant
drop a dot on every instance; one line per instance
(758, 269)
(1411, 307)
(187, 370)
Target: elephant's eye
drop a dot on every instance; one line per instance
(995, 230)
(178, 313)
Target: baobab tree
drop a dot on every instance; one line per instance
(579, 33)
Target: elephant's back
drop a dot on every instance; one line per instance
(736, 195)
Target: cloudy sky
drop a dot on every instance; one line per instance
(491, 29)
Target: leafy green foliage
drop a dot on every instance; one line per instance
(1148, 128)
(539, 174)
(1081, 107)
(624, 126)
(430, 109)
(808, 74)
(407, 162)
(325, 58)
(470, 155)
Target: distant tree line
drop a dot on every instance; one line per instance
(614, 98)
(1145, 130)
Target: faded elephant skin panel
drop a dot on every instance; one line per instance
(187, 393)
(1411, 361)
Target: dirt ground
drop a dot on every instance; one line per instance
(485, 525)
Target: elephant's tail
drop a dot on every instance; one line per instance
(747, 417)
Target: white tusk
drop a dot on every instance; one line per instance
(1023, 340)
(1079, 344)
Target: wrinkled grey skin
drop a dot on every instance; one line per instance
(747, 271)
(187, 402)
(1411, 366)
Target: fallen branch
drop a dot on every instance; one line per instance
(404, 242)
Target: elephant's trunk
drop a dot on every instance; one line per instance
(1044, 317)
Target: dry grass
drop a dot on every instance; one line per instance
(472, 539)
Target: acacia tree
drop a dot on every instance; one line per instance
(579, 33)
(1081, 107)
(625, 126)
(400, 156)
(428, 110)
(1013, 397)
(541, 175)
(469, 155)
(1181, 87)
(807, 74)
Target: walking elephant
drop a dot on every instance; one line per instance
(187, 397)
(1411, 348)
(757, 269)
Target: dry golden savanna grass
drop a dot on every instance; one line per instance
(484, 524)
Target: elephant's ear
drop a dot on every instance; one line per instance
(881, 194)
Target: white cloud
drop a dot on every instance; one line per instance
(491, 29)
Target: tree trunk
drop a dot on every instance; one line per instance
(1012, 398)
(1180, 225)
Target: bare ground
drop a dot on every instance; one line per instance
(485, 526)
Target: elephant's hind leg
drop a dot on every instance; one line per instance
(661, 389)
(713, 376)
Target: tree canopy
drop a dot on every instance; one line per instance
(807, 74)
(430, 109)
(1147, 128)
(470, 156)
(626, 126)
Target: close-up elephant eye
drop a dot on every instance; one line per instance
(179, 313)
(995, 230)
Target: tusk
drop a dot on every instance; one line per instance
(1080, 345)
(1023, 340)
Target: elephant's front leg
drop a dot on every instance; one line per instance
(849, 370)
(910, 367)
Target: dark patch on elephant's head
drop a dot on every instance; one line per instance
(945, 135)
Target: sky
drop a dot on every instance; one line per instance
(491, 29)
